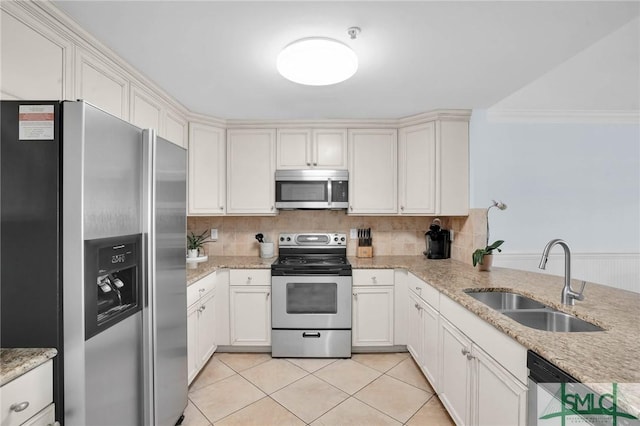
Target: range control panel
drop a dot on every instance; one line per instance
(313, 239)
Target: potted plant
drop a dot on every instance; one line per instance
(195, 243)
(484, 257)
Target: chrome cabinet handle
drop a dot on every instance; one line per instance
(19, 406)
(268, 294)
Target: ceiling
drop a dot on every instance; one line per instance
(218, 58)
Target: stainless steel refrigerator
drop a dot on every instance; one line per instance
(93, 260)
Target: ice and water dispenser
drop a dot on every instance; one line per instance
(112, 281)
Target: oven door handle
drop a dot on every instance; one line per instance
(315, 334)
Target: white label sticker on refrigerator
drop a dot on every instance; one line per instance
(35, 122)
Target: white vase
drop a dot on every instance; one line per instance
(191, 253)
(487, 262)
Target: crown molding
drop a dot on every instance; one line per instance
(194, 117)
(564, 116)
(438, 114)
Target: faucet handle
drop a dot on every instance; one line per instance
(579, 295)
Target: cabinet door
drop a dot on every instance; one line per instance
(33, 58)
(430, 355)
(100, 84)
(251, 171)
(329, 149)
(454, 168)
(293, 149)
(250, 315)
(207, 173)
(417, 167)
(455, 379)
(500, 398)
(176, 129)
(414, 328)
(373, 171)
(206, 328)
(145, 110)
(373, 316)
(192, 341)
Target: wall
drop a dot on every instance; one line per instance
(579, 182)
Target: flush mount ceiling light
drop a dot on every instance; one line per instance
(318, 61)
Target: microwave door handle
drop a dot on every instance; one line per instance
(329, 198)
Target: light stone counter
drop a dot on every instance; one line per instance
(14, 362)
(595, 358)
(196, 271)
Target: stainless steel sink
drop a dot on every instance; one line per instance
(531, 313)
(551, 320)
(502, 300)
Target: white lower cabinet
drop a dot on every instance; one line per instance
(201, 324)
(372, 310)
(455, 372)
(250, 315)
(500, 399)
(478, 372)
(28, 399)
(474, 388)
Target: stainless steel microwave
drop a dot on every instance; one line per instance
(312, 189)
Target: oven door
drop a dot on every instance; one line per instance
(311, 302)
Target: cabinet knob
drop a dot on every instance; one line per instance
(351, 208)
(221, 207)
(308, 163)
(419, 289)
(355, 296)
(315, 164)
(19, 406)
(402, 208)
(465, 351)
(374, 279)
(249, 280)
(417, 306)
(271, 208)
(268, 294)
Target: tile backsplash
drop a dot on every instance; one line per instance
(391, 235)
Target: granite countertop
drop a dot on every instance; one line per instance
(595, 358)
(14, 362)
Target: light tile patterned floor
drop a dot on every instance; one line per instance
(368, 389)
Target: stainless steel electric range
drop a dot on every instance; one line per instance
(311, 297)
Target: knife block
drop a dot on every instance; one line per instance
(366, 251)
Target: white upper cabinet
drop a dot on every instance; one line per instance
(101, 84)
(34, 60)
(417, 166)
(373, 171)
(311, 148)
(251, 160)
(207, 170)
(433, 163)
(453, 143)
(146, 111)
(176, 129)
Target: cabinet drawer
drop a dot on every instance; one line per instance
(46, 417)
(201, 287)
(424, 291)
(372, 277)
(250, 277)
(34, 387)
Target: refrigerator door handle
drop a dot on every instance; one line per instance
(148, 320)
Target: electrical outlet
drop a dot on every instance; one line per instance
(451, 234)
(214, 234)
(353, 233)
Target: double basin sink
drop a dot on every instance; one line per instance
(531, 313)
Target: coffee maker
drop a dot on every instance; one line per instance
(438, 241)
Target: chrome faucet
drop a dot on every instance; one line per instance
(568, 295)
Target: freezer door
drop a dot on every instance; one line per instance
(167, 308)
